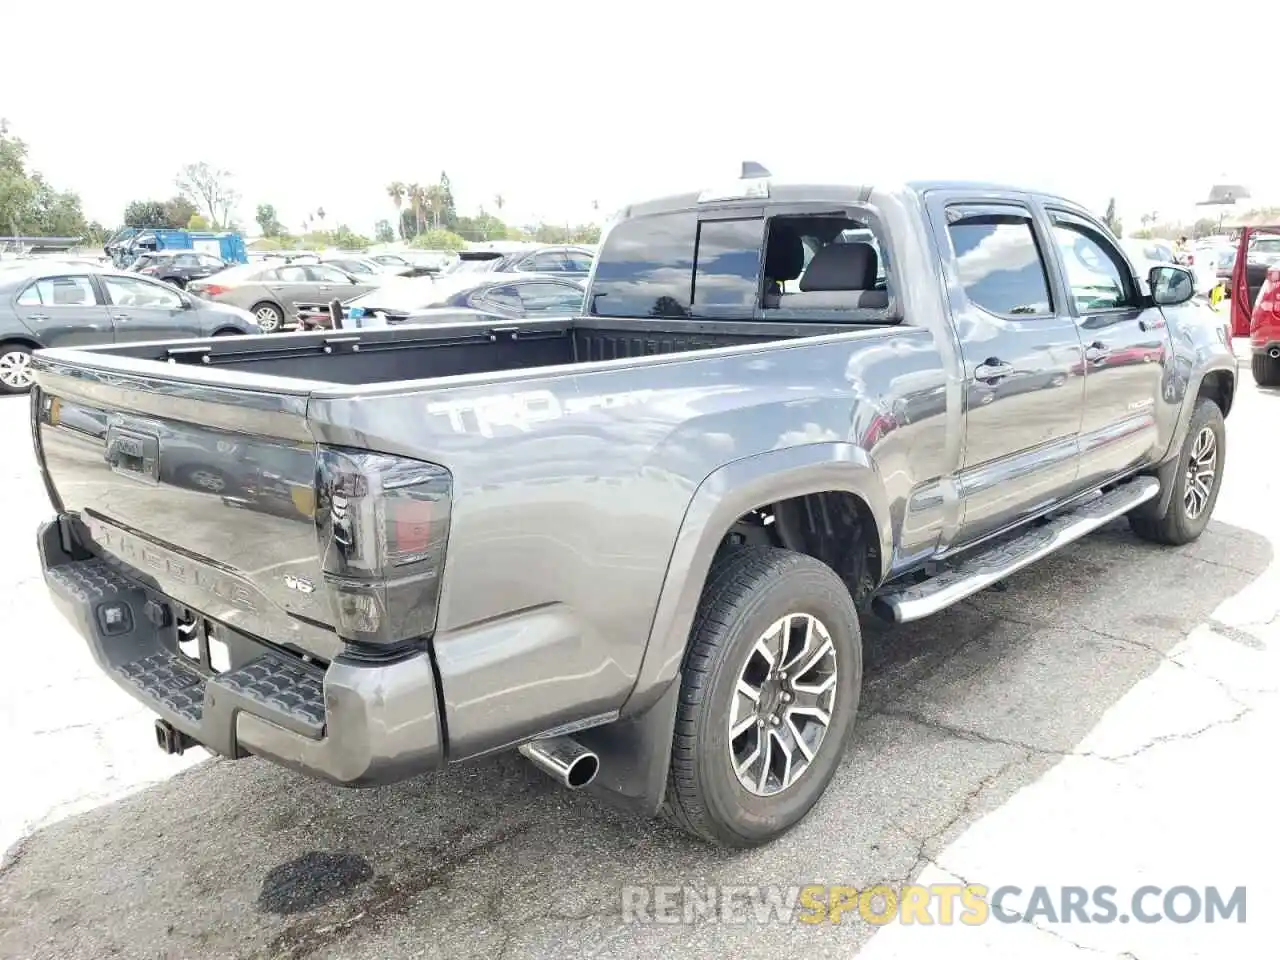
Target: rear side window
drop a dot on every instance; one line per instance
(58, 292)
(645, 267)
(727, 271)
(1000, 265)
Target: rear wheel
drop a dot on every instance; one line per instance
(179, 282)
(269, 317)
(1195, 483)
(768, 697)
(228, 332)
(15, 368)
(1266, 372)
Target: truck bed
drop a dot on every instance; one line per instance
(216, 439)
(379, 356)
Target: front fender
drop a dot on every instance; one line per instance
(720, 499)
(1203, 350)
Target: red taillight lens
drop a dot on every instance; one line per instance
(210, 289)
(383, 523)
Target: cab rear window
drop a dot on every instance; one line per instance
(645, 267)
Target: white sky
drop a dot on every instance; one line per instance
(557, 105)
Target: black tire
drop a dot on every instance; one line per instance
(1177, 527)
(14, 356)
(747, 590)
(1266, 372)
(269, 316)
(179, 282)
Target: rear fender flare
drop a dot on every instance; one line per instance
(720, 499)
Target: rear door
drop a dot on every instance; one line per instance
(1126, 349)
(144, 309)
(65, 311)
(1023, 362)
(292, 285)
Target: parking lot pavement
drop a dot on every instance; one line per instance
(1101, 721)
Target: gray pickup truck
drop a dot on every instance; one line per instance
(635, 545)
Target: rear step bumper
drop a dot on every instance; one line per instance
(353, 723)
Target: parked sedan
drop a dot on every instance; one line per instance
(59, 305)
(272, 291)
(500, 294)
(178, 267)
(361, 266)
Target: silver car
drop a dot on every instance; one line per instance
(272, 291)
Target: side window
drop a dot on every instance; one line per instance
(58, 292)
(548, 262)
(579, 261)
(550, 298)
(130, 292)
(291, 274)
(186, 260)
(506, 297)
(1000, 264)
(1095, 272)
(645, 267)
(727, 267)
(322, 274)
(210, 263)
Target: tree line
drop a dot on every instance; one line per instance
(32, 207)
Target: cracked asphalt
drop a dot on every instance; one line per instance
(1108, 718)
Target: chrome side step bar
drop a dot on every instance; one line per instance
(901, 604)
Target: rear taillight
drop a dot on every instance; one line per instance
(383, 523)
(208, 289)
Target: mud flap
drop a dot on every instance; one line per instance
(635, 754)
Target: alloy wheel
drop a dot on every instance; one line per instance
(1202, 471)
(782, 705)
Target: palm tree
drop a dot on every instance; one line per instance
(435, 199)
(320, 214)
(499, 201)
(395, 190)
(415, 202)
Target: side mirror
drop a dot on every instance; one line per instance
(1171, 285)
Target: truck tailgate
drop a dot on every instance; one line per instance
(206, 491)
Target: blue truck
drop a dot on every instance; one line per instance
(129, 243)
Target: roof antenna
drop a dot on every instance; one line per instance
(752, 170)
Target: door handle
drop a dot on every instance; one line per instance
(120, 316)
(37, 316)
(1096, 352)
(992, 369)
(1155, 323)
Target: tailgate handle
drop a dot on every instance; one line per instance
(132, 454)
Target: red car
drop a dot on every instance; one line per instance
(1264, 331)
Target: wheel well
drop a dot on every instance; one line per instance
(228, 332)
(267, 303)
(834, 526)
(1220, 387)
(21, 341)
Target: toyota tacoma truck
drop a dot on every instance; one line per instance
(634, 545)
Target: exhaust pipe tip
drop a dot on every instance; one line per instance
(1274, 353)
(563, 759)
